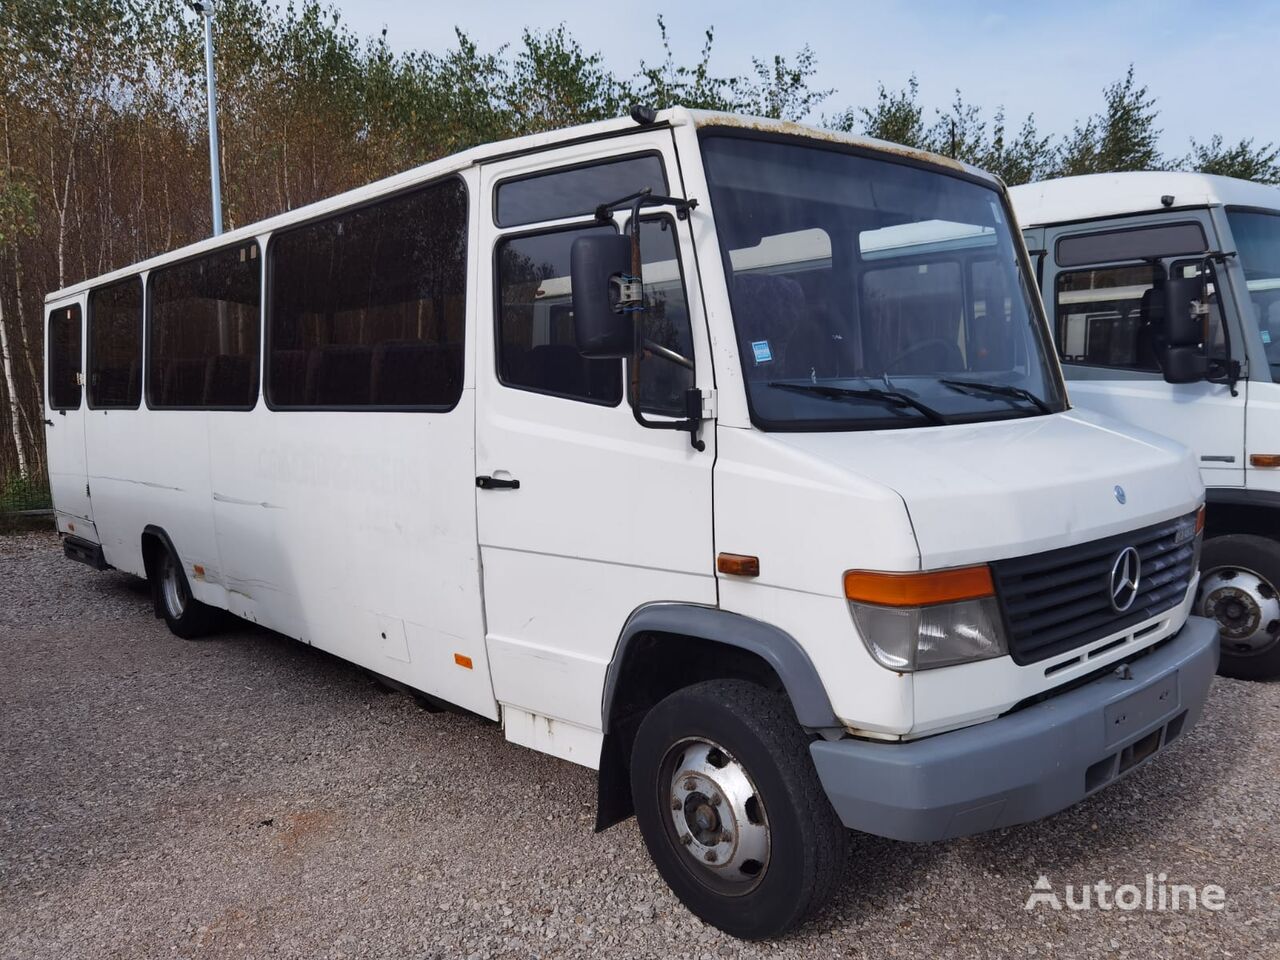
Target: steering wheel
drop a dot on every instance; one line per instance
(933, 343)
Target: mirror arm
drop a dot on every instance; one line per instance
(666, 353)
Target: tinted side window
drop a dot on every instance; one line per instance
(1098, 317)
(536, 345)
(115, 345)
(368, 308)
(64, 359)
(576, 191)
(203, 343)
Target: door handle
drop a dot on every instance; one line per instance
(497, 483)
(48, 423)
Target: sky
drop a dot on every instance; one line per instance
(1215, 67)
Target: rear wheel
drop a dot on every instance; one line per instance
(1238, 579)
(731, 809)
(186, 616)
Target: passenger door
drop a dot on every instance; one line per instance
(64, 426)
(1094, 282)
(607, 515)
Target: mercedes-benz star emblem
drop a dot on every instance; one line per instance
(1120, 497)
(1126, 573)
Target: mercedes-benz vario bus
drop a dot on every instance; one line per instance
(729, 457)
(1106, 248)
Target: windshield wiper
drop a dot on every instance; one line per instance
(999, 390)
(890, 397)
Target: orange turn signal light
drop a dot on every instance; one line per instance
(1264, 459)
(919, 589)
(738, 564)
(462, 660)
(1200, 520)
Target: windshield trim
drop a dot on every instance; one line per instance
(1060, 403)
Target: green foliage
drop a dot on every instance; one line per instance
(1242, 159)
(961, 133)
(896, 116)
(19, 493)
(1123, 137)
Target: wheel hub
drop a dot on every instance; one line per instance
(1245, 606)
(716, 815)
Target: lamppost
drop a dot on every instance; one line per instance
(205, 9)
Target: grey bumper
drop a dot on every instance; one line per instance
(1027, 764)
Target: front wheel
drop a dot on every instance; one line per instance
(731, 809)
(1238, 579)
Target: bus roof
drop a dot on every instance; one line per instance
(489, 152)
(1099, 195)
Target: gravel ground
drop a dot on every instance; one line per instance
(247, 796)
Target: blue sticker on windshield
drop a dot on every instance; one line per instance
(761, 349)
(1266, 336)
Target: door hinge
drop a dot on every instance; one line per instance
(86, 490)
(709, 405)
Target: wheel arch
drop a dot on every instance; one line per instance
(1232, 510)
(667, 646)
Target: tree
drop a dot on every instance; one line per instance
(1123, 137)
(896, 117)
(1242, 160)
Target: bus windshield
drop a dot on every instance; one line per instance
(1257, 237)
(869, 293)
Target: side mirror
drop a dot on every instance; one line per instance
(1185, 365)
(597, 264)
(1184, 299)
(1181, 311)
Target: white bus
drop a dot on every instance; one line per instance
(729, 457)
(1106, 247)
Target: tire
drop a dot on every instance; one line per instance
(779, 847)
(186, 616)
(1239, 575)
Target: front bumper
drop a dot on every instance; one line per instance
(1026, 764)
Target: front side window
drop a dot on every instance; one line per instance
(1257, 239)
(368, 307)
(204, 333)
(64, 358)
(537, 349)
(869, 293)
(1099, 319)
(115, 346)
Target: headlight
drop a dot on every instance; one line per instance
(918, 621)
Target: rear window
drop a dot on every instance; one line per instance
(64, 358)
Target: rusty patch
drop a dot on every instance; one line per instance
(300, 828)
(791, 128)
